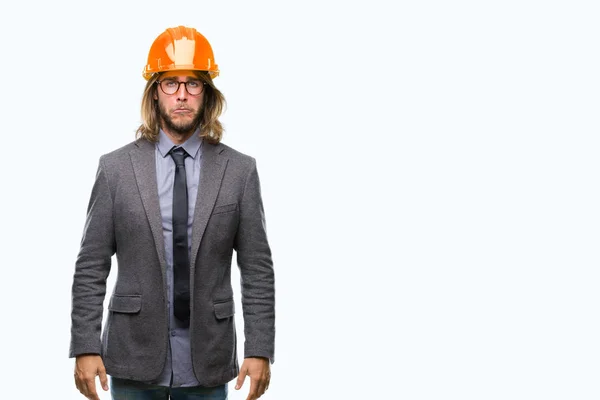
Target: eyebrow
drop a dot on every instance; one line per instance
(188, 79)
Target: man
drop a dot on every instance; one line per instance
(173, 206)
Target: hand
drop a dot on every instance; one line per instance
(87, 366)
(259, 371)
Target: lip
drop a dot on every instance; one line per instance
(182, 110)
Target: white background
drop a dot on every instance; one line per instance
(429, 174)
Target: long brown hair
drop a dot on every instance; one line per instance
(214, 104)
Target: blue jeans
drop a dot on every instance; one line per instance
(122, 389)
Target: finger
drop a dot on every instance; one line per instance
(240, 380)
(103, 378)
(258, 387)
(91, 389)
(263, 382)
(262, 387)
(81, 385)
(253, 394)
(77, 383)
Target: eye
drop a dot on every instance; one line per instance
(194, 84)
(170, 83)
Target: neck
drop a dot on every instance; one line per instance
(177, 137)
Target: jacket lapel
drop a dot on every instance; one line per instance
(211, 175)
(143, 160)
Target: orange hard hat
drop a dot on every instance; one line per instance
(180, 48)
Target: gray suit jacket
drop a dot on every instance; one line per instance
(123, 217)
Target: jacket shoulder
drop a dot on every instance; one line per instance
(235, 155)
(115, 159)
(123, 150)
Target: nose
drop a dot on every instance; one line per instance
(182, 93)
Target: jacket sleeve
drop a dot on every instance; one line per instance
(92, 268)
(256, 272)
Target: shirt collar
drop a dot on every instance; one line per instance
(191, 146)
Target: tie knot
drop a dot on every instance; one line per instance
(178, 154)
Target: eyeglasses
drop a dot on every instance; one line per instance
(171, 86)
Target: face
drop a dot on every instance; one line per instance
(179, 112)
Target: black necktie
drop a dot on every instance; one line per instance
(181, 262)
